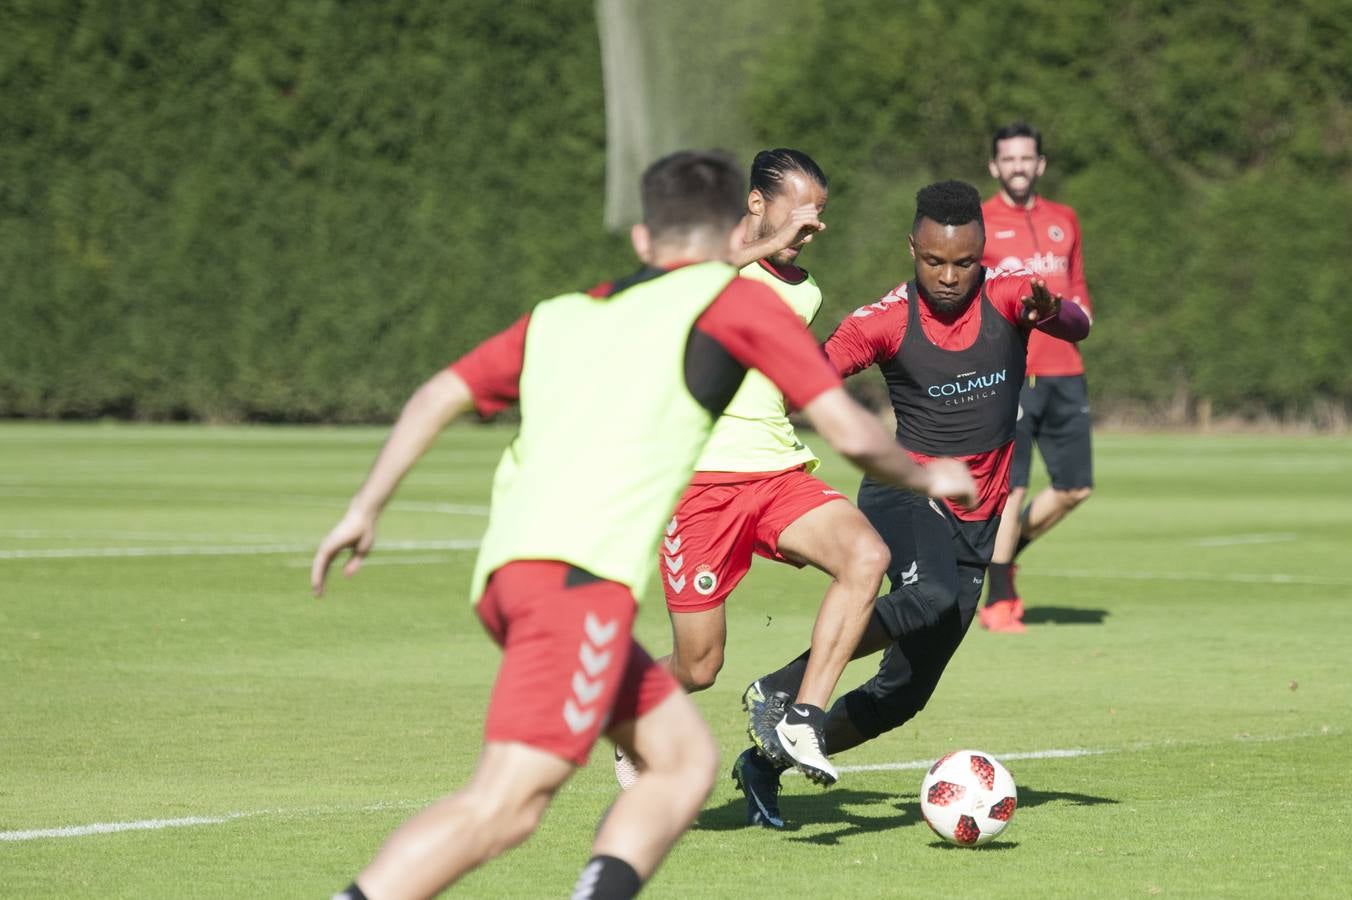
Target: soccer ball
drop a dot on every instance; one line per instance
(968, 798)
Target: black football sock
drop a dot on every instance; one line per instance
(788, 679)
(841, 732)
(351, 892)
(607, 878)
(1023, 531)
(806, 713)
(1002, 582)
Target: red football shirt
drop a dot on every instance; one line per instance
(873, 334)
(1043, 239)
(747, 319)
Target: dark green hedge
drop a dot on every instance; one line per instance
(297, 210)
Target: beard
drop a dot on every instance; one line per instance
(1020, 195)
(947, 307)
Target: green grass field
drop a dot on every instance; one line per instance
(162, 663)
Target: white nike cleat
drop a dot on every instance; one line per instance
(626, 773)
(802, 742)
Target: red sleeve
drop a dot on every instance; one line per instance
(492, 370)
(1079, 290)
(758, 329)
(1006, 290)
(872, 334)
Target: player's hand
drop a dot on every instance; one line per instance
(354, 530)
(803, 222)
(950, 479)
(1041, 304)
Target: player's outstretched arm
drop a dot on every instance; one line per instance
(1048, 312)
(431, 408)
(804, 222)
(857, 436)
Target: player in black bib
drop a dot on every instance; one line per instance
(951, 346)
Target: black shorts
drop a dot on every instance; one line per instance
(1054, 412)
(938, 560)
(935, 578)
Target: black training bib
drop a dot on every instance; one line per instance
(956, 402)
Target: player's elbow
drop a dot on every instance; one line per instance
(442, 397)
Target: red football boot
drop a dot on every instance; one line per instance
(999, 616)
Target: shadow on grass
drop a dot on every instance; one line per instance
(1063, 615)
(841, 807)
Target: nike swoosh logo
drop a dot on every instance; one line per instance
(801, 711)
(793, 742)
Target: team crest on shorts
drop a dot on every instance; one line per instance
(705, 580)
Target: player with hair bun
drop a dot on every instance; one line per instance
(753, 492)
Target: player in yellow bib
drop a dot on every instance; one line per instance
(579, 503)
(753, 492)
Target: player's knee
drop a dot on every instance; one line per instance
(689, 759)
(942, 597)
(1073, 497)
(703, 674)
(522, 823)
(502, 822)
(700, 672)
(867, 557)
(703, 766)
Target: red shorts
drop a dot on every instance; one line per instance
(570, 667)
(717, 527)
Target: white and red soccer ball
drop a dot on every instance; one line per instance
(968, 798)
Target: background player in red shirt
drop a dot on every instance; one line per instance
(1025, 231)
(566, 554)
(951, 346)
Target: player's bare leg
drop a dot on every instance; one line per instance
(1049, 507)
(499, 808)
(1019, 526)
(677, 763)
(1007, 536)
(837, 539)
(697, 643)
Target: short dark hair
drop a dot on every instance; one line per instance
(692, 190)
(770, 167)
(1014, 130)
(948, 203)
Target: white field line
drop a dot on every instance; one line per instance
(114, 827)
(1268, 578)
(424, 559)
(188, 496)
(926, 763)
(1239, 540)
(168, 537)
(220, 550)
(35, 834)
(71, 831)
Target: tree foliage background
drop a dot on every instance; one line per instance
(298, 210)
